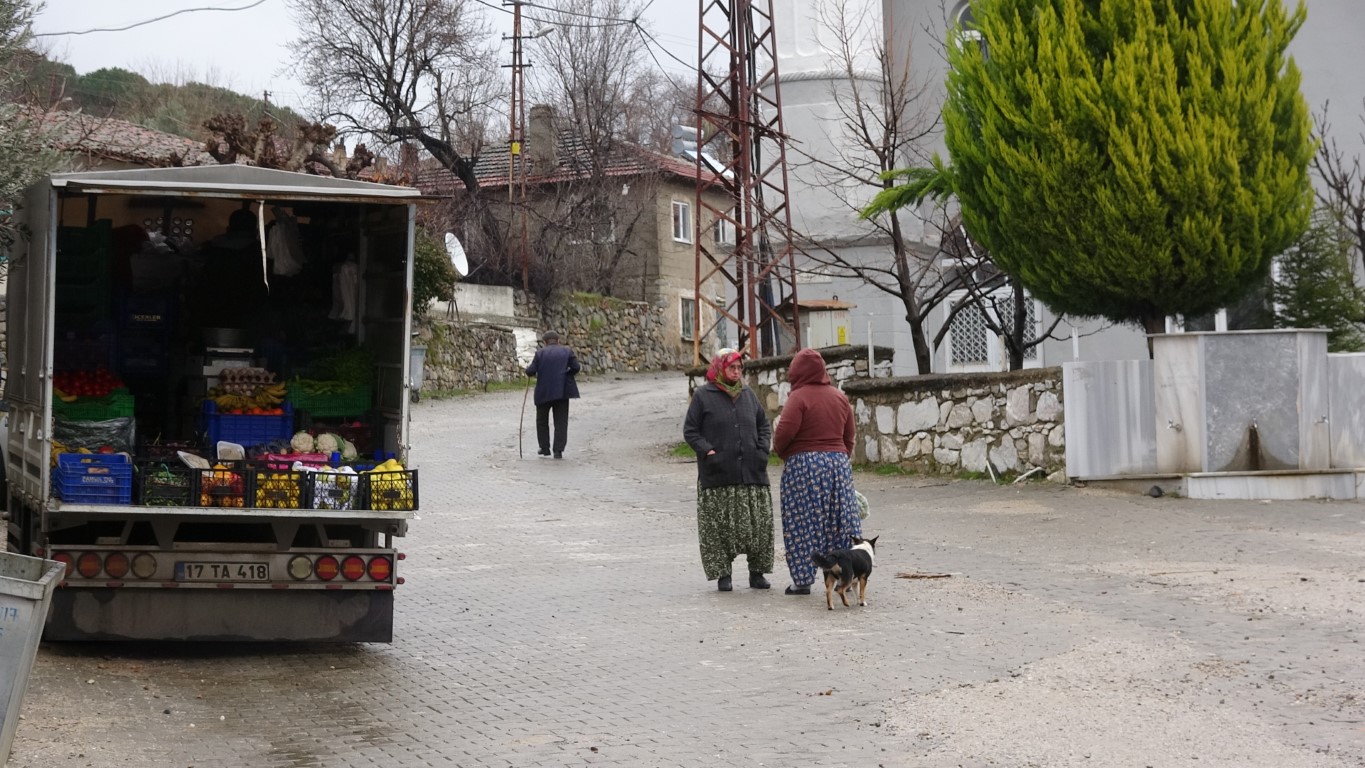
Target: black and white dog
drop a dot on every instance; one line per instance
(842, 567)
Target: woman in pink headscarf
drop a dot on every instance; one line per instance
(729, 432)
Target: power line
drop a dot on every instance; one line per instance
(611, 21)
(148, 21)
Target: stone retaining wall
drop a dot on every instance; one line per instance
(606, 335)
(962, 422)
(940, 423)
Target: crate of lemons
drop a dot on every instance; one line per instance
(390, 487)
(278, 489)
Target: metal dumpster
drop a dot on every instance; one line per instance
(26, 585)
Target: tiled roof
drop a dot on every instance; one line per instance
(114, 139)
(574, 163)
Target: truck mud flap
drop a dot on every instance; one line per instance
(201, 615)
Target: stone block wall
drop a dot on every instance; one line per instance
(464, 356)
(606, 334)
(953, 423)
(611, 334)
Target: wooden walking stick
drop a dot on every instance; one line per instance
(521, 423)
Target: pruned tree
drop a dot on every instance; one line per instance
(407, 70)
(25, 151)
(1126, 160)
(262, 146)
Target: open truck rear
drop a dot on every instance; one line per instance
(153, 281)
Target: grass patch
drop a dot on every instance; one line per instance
(516, 385)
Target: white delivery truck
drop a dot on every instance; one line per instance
(152, 316)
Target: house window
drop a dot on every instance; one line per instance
(971, 344)
(687, 317)
(682, 222)
(724, 230)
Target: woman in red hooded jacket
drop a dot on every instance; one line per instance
(814, 436)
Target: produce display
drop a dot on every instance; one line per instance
(325, 442)
(70, 385)
(278, 490)
(221, 486)
(248, 391)
(391, 487)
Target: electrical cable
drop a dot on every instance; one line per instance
(148, 21)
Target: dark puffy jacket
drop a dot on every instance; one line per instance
(736, 429)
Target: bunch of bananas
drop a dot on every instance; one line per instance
(263, 396)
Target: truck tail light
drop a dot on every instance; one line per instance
(65, 559)
(353, 567)
(300, 568)
(88, 565)
(380, 568)
(326, 568)
(144, 565)
(116, 565)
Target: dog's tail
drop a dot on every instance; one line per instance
(825, 562)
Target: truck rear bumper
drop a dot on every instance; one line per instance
(315, 616)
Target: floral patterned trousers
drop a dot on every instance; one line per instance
(819, 509)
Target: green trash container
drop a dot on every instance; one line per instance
(26, 585)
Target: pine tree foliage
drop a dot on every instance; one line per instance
(1314, 286)
(1130, 159)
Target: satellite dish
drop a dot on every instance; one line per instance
(457, 257)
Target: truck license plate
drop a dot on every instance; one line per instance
(222, 572)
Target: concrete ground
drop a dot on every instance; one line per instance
(555, 614)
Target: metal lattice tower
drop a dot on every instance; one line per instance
(740, 140)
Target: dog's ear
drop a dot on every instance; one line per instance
(873, 541)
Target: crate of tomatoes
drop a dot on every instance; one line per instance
(95, 395)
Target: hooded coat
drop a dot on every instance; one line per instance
(817, 416)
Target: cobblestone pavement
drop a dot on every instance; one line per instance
(555, 614)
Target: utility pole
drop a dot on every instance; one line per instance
(516, 160)
(739, 108)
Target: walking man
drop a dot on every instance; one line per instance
(554, 368)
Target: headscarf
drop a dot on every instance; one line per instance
(715, 374)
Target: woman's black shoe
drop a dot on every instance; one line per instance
(756, 581)
(723, 584)
(795, 590)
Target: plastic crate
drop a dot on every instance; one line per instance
(278, 488)
(166, 484)
(245, 430)
(357, 402)
(93, 478)
(117, 405)
(330, 489)
(225, 484)
(286, 460)
(389, 490)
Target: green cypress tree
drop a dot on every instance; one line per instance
(1127, 159)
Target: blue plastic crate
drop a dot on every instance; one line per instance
(93, 478)
(247, 431)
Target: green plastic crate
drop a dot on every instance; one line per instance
(116, 405)
(357, 402)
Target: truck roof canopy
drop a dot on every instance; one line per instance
(236, 181)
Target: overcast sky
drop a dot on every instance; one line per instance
(247, 50)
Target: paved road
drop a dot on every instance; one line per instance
(555, 615)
